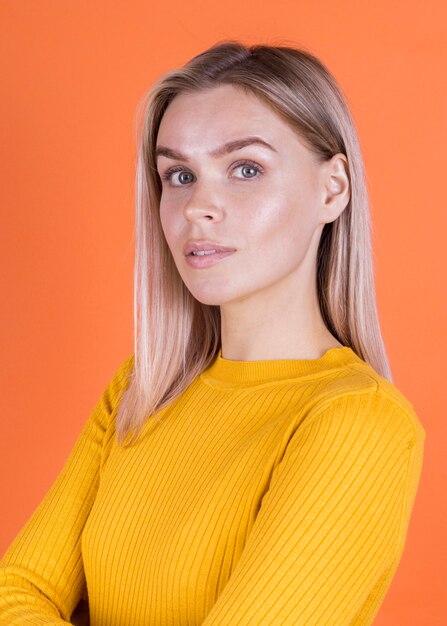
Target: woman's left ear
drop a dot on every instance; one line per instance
(336, 187)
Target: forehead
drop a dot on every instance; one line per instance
(209, 114)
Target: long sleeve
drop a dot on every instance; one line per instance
(41, 573)
(331, 529)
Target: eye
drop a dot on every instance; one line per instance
(168, 175)
(249, 165)
(185, 176)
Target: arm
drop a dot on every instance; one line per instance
(331, 528)
(41, 573)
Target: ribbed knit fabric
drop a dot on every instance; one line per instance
(271, 492)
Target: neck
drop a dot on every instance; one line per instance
(282, 322)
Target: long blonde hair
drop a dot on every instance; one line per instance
(176, 336)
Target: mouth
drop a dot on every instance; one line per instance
(200, 247)
(206, 258)
(204, 252)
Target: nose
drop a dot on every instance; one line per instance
(202, 204)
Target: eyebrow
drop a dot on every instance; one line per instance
(228, 147)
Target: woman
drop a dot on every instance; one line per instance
(251, 462)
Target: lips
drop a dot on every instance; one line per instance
(204, 261)
(196, 245)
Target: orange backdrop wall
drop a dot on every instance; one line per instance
(73, 74)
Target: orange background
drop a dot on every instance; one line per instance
(73, 74)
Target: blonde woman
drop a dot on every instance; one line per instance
(251, 462)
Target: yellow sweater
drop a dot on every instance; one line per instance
(271, 492)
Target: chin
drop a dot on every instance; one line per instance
(212, 293)
(219, 297)
(209, 299)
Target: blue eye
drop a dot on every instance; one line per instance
(168, 175)
(247, 165)
(182, 176)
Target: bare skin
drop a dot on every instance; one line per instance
(272, 211)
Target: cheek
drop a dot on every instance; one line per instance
(278, 233)
(168, 225)
(269, 223)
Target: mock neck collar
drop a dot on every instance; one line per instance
(228, 373)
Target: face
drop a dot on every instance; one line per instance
(264, 202)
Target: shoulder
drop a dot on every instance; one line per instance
(115, 387)
(105, 411)
(126, 366)
(122, 374)
(362, 395)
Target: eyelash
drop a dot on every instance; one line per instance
(178, 168)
